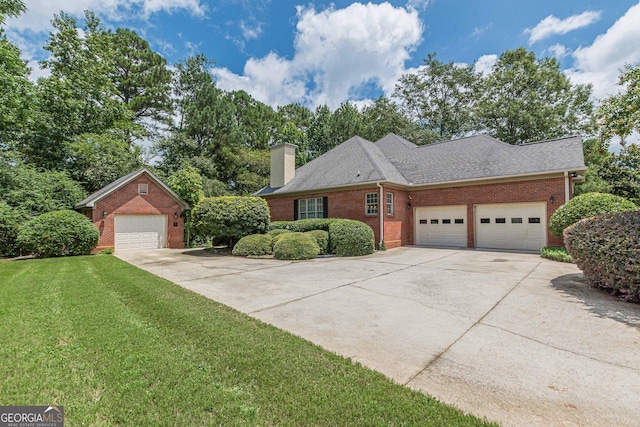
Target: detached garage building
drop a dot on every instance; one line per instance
(137, 211)
(474, 192)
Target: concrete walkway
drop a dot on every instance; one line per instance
(512, 337)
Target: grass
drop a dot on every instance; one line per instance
(116, 345)
(556, 253)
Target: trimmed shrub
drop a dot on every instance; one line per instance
(585, 206)
(607, 250)
(277, 237)
(303, 225)
(277, 231)
(10, 221)
(295, 246)
(253, 245)
(322, 239)
(351, 238)
(58, 233)
(229, 218)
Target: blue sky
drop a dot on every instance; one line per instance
(316, 52)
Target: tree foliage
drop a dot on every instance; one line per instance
(619, 115)
(527, 99)
(441, 97)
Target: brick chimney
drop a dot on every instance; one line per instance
(283, 164)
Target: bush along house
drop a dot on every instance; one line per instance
(475, 192)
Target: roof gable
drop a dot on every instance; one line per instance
(92, 199)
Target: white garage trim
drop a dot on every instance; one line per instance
(140, 231)
(441, 226)
(518, 226)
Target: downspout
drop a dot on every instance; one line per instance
(566, 186)
(381, 213)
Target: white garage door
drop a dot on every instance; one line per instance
(140, 231)
(441, 226)
(520, 226)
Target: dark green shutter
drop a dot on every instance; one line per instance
(295, 210)
(325, 207)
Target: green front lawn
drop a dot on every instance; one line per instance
(116, 345)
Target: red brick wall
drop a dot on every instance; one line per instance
(398, 228)
(126, 200)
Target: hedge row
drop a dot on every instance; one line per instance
(347, 237)
(607, 249)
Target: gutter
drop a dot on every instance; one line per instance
(381, 213)
(566, 186)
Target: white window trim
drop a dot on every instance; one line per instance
(371, 208)
(389, 203)
(318, 212)
(143, 189)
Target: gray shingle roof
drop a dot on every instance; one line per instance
(91, 200)
(395, 160)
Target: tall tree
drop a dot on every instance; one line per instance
(383, 117)
(293, 128)
(346, 122)
(619, 115)
(79, 96)
(440, 97)
(142, 79)
(17, 99)
(320, 132)
(527, 99)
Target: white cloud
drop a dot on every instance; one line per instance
(551, 25)
(600, 63)
(485, 63)
(40, 12)
(557, 50)
(251, 30)
(418, 4)
(479, 31)
(337, 51)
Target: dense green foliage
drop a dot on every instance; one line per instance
(556, 253)
(607, 250)
(254, 245)
(351, 238)
(322, 239)
(295, 246)
(347, 237)
(226, 219)
(124, 347)
(58, 233)
(277, 231)
(585, 206)
(10, 221)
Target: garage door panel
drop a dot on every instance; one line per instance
(518, 226)
(140, 231)
(441, 226)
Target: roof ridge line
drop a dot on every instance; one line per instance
(373, 161)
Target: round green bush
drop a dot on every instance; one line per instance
(58, 233)
(322, 239)
(607, 249)
(294, 246)
(277, 231)
(586, 206)
(349, 237)
(253, 245)
(229, 218)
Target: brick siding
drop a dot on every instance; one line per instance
(398, 228)
(126, 200)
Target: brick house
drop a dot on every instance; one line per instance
(137, 211)
(474, 192)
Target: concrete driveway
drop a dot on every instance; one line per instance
(512, 337)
